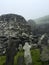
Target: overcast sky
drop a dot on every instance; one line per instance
(29, 9)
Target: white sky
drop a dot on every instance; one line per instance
(29, 9)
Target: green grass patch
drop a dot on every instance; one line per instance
(2, 60)
(16, 57)
(35, 53)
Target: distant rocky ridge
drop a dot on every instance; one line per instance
(40, 25)
(42, 20)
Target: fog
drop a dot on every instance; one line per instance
(29, 9)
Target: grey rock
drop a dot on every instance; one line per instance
(27, 54)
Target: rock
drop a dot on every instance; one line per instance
(44, 48)
(13, 25)
(27, 55)
(11, 51)
(44, 56)
(3, 44)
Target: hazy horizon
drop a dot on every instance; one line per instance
(29, 9)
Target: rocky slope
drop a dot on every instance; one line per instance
(12, 25)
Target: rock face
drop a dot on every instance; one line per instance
(3, 44)
(44, 48)
(12, 25)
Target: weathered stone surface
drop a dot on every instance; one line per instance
(11, 51)
(44, 56)
(20, 47)
(12, 25)
(3, 44)
(44, 48)
(27, 55)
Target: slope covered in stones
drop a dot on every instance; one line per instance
(12, 25)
